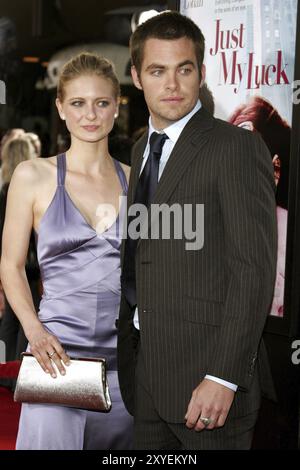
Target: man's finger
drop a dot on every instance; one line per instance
(192, 416)
(221, 420)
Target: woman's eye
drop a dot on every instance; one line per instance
(103, 104)
(76, 103)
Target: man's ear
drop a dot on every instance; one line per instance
(135, 78)
(203, 75)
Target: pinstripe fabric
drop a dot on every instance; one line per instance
(203, 312)
(152, 432)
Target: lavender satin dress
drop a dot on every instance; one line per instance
(81, 279)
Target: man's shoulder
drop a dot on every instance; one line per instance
(141, 142)
(218, 129)
(139, 147)
(229, 130)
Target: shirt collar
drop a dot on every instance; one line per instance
(174, 130)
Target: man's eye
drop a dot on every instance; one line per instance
(156, 73)
(185, 71)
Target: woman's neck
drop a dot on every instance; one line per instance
(88, 157)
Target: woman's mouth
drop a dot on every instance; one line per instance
(91, 128)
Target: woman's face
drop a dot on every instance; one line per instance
(276, 160)
(276, 165)
(247, 125)
(89, 107)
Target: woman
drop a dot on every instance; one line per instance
(258, 115)
(35, 141)
(9, 135)
(15, 151)
(79, 256)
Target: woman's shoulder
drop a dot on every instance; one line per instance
(35, 170)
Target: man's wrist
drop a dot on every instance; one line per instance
(229, 385)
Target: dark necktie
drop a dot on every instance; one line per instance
(145, 191)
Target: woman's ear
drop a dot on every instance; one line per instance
(117, 108)
(59, 109)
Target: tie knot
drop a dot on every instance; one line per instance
(156, 142)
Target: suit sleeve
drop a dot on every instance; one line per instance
(247, 200)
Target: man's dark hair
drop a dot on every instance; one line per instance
(168, 25)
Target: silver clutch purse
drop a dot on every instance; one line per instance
(84, 385)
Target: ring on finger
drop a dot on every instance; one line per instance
(51, 354)
(206, 421)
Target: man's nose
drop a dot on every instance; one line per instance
(172, 82)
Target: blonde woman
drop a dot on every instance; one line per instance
(35, 141)
(61, 197)
(15, 151)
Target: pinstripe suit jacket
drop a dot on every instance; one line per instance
(203, 312)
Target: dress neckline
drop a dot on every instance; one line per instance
(61, 174)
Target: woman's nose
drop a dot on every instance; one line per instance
(91, 114)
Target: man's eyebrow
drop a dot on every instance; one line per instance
(186, 62)
(155, 66)
(160, 66)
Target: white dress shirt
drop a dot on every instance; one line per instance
(173, 132)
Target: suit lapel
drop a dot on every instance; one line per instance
(137, 160)
(192, 139)
(136, 167)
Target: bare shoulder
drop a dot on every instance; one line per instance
(126, 169)
(32, 169)
(31, 174)
(25, 172)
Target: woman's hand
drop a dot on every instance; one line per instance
(47, 350)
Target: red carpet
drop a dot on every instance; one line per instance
(9, 410)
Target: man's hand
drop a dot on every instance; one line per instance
(209, 400)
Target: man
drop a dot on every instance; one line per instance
(191, 320)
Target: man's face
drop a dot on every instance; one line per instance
(169, 78)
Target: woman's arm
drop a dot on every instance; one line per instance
(16, 235)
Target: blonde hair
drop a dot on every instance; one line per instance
(35, 141)
(86, 63)
(14, 152)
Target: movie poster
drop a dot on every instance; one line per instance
(250, 57)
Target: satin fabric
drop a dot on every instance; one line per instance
(80, 271)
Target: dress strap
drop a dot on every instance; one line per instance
(121, 175)
(61, 169)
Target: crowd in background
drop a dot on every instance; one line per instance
(16, 146)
